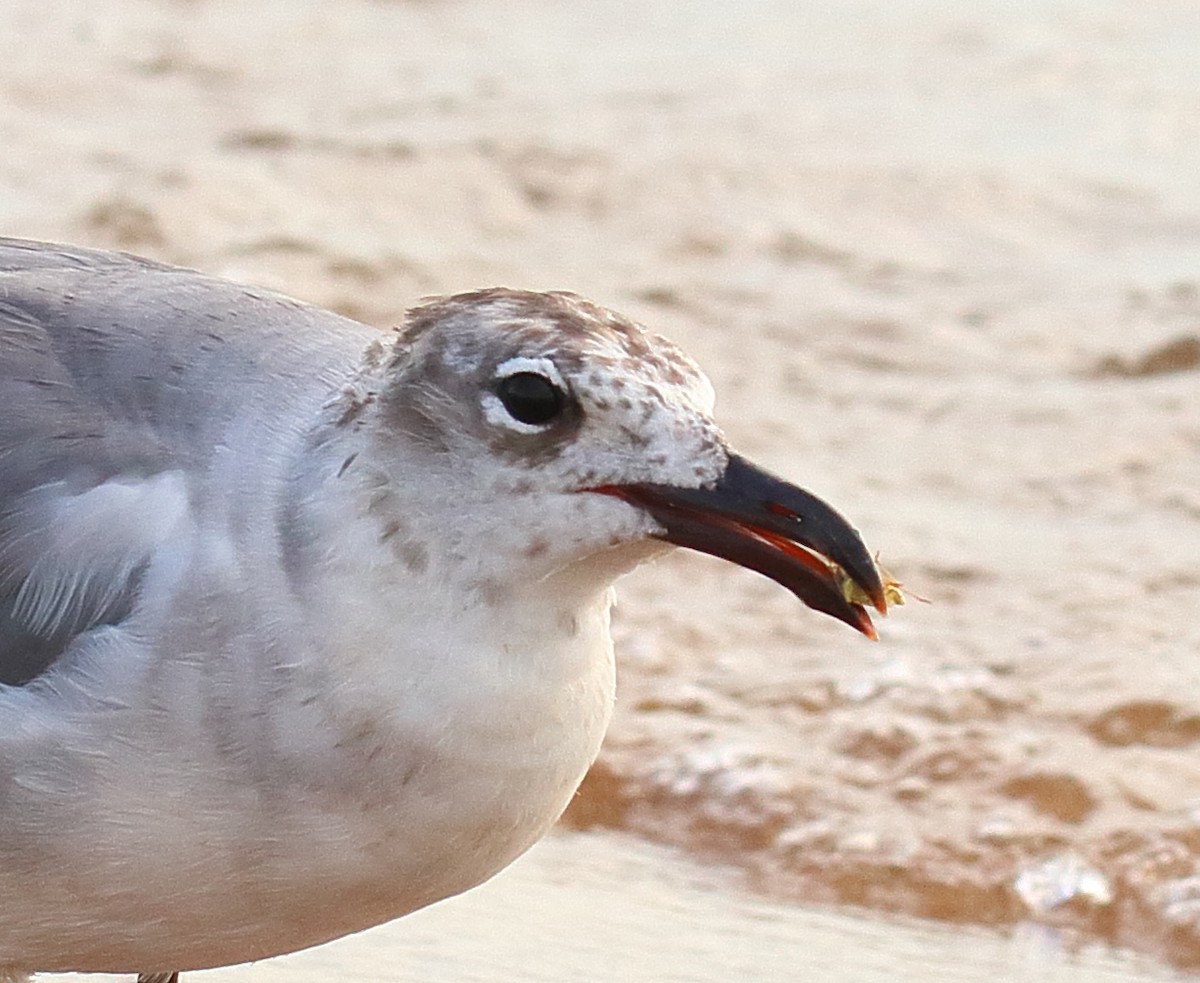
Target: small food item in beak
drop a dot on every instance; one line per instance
(893, 591)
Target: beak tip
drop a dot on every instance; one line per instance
(864, 624)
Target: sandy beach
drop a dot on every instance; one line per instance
(943, 266)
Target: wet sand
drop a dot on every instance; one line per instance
(942, 264)
(584, 907)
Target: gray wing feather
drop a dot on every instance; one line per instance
(119, 375)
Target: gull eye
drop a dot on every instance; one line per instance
(531, 398)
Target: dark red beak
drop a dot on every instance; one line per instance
(752, 518)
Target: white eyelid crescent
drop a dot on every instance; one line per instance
(495, 414)
(538, 366)
(494, 411)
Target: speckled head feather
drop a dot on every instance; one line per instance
(631, 395)
(445, 468)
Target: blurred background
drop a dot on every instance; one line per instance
(942, 262)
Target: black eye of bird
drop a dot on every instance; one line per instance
(531, 398)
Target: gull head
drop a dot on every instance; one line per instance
(548, 443)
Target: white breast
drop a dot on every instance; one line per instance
(301, 783)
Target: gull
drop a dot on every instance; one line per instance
(305, 626)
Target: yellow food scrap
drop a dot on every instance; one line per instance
(893, 592)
